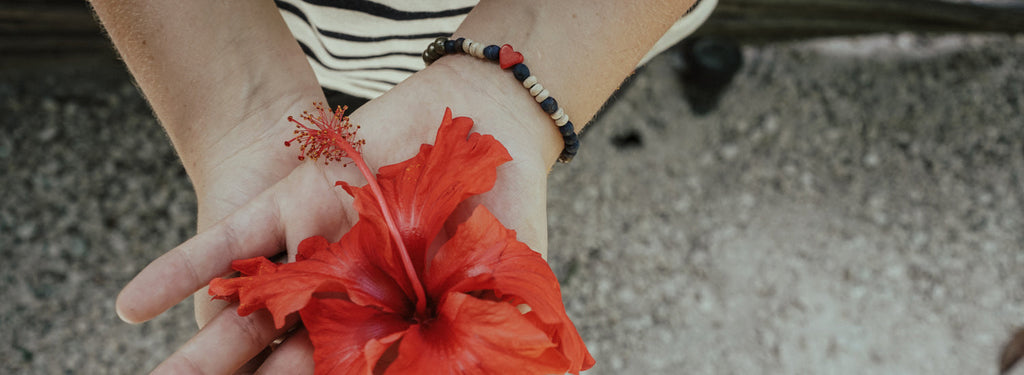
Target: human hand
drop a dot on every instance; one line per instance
(304, 203)
(235, 67)
(252, 199)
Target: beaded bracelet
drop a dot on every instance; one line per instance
(508, 59)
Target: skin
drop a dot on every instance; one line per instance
(223, 76)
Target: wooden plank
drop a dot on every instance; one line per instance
(56, 26)
(50, 27)
(766, 20)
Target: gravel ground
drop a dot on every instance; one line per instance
(854, 206)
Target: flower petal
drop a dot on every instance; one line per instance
(424, 191)
(267, 288)
(373, 241)
(348, 338)
(484, 255)
(286, 288)
(474, 336)
(227, 289)
(365, 277)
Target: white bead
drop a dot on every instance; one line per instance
(544, 94)
(557, 114)
(466, 44)
(477, 50)
(536, 89)
(529, 81)
(562, 120)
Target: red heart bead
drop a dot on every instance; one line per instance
(508, 57)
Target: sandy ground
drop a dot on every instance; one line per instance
(854, 206)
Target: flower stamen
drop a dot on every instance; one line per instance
(333, 139)
(320, 140)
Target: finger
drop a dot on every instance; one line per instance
(315, 206)
(205, 307)
(294, 356)
(224, 345)
(254, 363)
(254, 230)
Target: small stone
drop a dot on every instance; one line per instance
(49, 105)
(729, 151)
(770, 124)
(26, 230)
(871, 160)
(78, 247)
(747, 200)
(48, 134)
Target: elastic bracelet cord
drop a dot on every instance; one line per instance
(508, 59)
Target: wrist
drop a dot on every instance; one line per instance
(523, 124)
(246, 157)
(395, 125)
(496, 102)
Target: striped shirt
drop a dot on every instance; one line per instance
(363, 47)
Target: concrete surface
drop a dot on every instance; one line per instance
(855, 206)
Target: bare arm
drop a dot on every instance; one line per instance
(581, 50)
(209, 68)
(219, 75)
(223, 75)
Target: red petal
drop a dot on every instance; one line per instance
(374, 241)
(227, 289)
(423, 191)
(484, 255)
(348, 338)
(367, 282)
(286, 288)
(311, 246)
(471, 255)
(473, 336)
(282, 292)
(254, 266)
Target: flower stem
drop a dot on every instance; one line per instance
(421, 297)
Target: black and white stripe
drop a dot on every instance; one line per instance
(363, 47)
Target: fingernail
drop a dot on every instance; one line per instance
(121, 313)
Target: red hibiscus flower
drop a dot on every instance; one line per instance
(384, 300)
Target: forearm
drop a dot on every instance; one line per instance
(207, 67)
(580, 50)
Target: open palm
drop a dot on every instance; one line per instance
(246, 213)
